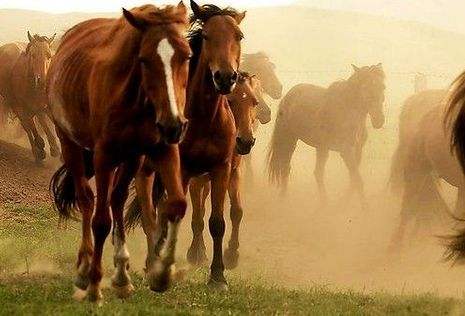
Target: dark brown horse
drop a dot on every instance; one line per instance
(243, 103)
(117, 92)
(215, 39)
(328, 119)
(455, 119)
(23, 72)
(422, 158)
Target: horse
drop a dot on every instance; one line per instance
(421, 159)
(117, 93)
(455, 121)
(261, 66)
(243, 103)
(332, 118)
(23, 72)
(208, 147)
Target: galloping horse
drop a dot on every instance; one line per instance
(422, 158)
(117, 92)
(328, 119)
(243, 103)
(215, 40)
(455, 118)
(23, 72)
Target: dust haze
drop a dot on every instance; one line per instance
(292, 239)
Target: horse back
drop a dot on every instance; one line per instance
(9, 55)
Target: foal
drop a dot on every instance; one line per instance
(117, 92)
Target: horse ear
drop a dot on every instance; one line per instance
(196, 9)
(380, 66)
(239, 17)
(134, 20)
(30, 37)
(182, 8)
(50, 40)
(355, 68)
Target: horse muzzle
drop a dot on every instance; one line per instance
(243, 147)
(173, 132)
(225, 82)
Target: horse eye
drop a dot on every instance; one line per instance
(244, 95)
(143, 61)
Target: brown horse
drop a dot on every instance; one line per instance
(117, 92)
(261, 66)
(422, 158)
(243, 103)
(455, 119)
(23, 72)
(215, 39)
(328, 119)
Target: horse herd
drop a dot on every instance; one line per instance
(133, 99)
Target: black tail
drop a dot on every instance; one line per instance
(63, 190)
(133, 216)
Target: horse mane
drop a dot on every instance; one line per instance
(455, 117)
(194, 34)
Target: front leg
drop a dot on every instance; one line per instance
(101, 222)
(220, 183)
(121, 280)
(173, 210)
(231, 254)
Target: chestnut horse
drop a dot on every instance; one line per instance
(422, 158)
(215, 40)
(243, 103)
(117, 92)
(23, 72)
(328, 119)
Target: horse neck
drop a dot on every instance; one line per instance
(203, 101)
(352, 100)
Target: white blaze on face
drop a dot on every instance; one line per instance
(166, 53)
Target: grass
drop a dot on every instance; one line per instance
(49, 293)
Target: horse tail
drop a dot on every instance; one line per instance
(133, 216)
(63, 189)
(455, 118)
(281, 148)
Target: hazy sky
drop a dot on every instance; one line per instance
(447, 14)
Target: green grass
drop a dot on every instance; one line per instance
(27, 230)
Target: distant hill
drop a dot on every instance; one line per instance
(312, 45)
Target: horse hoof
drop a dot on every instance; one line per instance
(196, 257)
(231, 259)
(81, 282)
(218, 286)
(79, 295)
(94, 295)
(124, 291)
(160, 279)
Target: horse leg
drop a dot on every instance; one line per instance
(101, 222)
(52, 140)
(231, 254)
(196, 255)
(74, 161)
(322, 155)
(169, 167)
(121, 281)
(356, 182)
(220, 183)
(36, 141)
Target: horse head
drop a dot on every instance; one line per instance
(243, 103)
(260, 64)
(221, 43)
(369, 81)
(163, 61)
(39, 55)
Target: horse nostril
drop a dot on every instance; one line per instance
(217, 76)
(234, 76)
